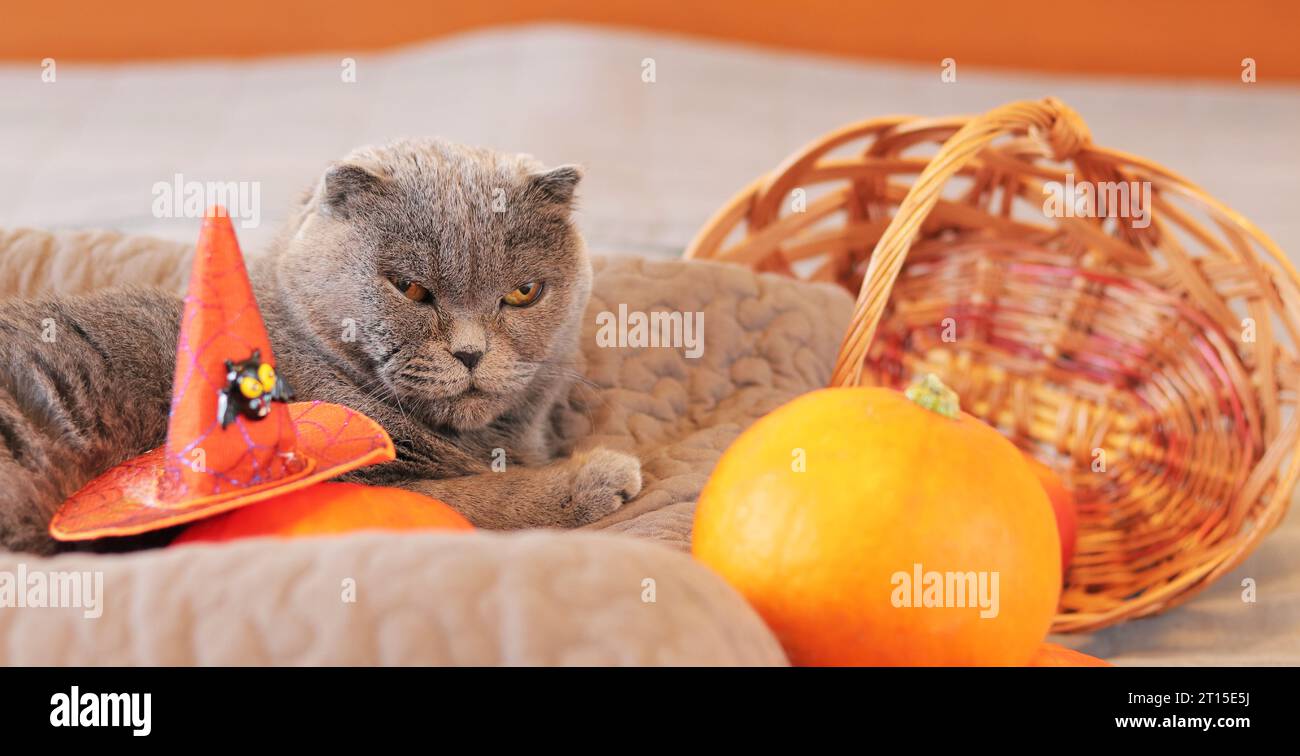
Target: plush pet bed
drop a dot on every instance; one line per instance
(541, 597)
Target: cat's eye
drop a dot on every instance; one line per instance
(524, 295)
(411, 290)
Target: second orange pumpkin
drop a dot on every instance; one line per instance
(1054, 655)
(329, 508)
(1063, 506)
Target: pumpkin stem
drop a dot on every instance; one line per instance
(931, 393)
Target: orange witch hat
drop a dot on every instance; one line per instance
(233, 438)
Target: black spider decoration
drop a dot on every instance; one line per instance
(251, 386)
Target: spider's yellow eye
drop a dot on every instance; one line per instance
(411, 290)
(524, 295)
(266, 374)
(250, 387)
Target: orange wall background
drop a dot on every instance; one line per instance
(1196, 38)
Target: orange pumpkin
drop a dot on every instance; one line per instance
(1067, 515)
(329, 508)
(851, 517)
(1052, 655)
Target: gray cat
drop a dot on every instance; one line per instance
(435, 287)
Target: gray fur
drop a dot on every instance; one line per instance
(469, 225)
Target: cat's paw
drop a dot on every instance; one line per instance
(603, 480)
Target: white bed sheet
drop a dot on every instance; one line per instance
(85, 151)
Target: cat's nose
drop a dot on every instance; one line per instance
(468, 359)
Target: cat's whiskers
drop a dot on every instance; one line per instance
(569, 371)
(562, 370)
(375, 396)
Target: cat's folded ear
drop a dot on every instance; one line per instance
(345, 187)
(556, 185)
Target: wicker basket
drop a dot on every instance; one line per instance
(1149, 357)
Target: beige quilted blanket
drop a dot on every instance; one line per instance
(534, 598)
(542, 597)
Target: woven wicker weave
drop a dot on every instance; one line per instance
(1151, 362)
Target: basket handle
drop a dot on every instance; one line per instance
(1063, 134)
